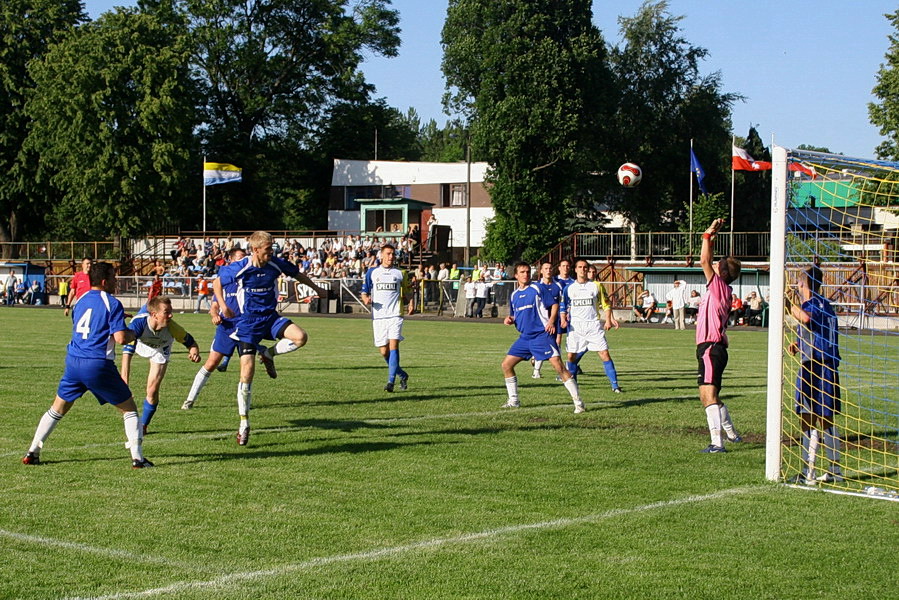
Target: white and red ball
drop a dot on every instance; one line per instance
(630, 175)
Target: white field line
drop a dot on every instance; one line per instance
(376, 554)
(109, 552)
(228, 434)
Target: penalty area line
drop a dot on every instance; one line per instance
(379, 553)
(131, 557)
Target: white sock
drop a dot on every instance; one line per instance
(726, 423)
(512, 389)
(244, 394)
(200, 380)
(538, 364)
(134, 435)
(713, 416)
(282, 347)
(571, 386)
(832, 448)
(49, 421)
(810, 453)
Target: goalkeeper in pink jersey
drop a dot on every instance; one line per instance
(711, 338)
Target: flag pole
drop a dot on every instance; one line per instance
(690, 238)
(204, 199)
(733, 142)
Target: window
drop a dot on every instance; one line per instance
(457, 194)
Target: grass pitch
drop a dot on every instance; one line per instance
(346, 491)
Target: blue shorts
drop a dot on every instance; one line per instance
(818, 390)
(223, 343)
(96, 375)
(541, 347)
(253, 329)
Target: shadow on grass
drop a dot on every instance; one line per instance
(260, 452)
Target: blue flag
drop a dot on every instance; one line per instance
(697, 169)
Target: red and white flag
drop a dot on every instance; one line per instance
(803, 168)
(741, 161)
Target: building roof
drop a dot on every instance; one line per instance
(386, 172)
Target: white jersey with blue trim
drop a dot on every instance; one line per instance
(386, 287)
(582, 302)
(96, 317)
(257, 287)
(530, 307)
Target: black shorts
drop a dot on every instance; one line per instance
(712, 358)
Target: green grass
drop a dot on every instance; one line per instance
(346, 491)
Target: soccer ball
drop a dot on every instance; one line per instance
(629, 175)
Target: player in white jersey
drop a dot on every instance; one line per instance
(155, 334)
(582, 301)
(383, 290)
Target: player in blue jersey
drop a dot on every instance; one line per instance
(547, 282)
(223, 345)
(580, 309)
(155, 333)
(818, 382)
(256, 277)
(384, 289)
(533, 311)
(98, 324)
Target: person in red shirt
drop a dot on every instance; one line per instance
(81, 283)
(736, 308)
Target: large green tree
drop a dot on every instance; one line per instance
(113, 119)
(665, 102)
(885, 114)
(27, 29)
(532, 79)
(271, 71)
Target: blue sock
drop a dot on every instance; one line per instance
(147, 413)
(579, 356)
(393, 363)
(572, 368)
(611, 373)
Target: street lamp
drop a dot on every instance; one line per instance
(467, 199)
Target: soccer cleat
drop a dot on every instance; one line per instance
(580, 371)
(404, 382)
(736, 439)
(536, 375)
(713, 449)
(579, 408)
(800, 480)
(510, 404)
(222, 367)
(831, 478)
(618, 390)
(269, 365)
(559, 378)
(140, 463)
(144, 430)
(388, 387)
(188, 404)
(31, 459)
(243, 436)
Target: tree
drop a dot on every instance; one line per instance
(531, 78)
(665, 102)
(885, 114)
(270, 72)
(113, 113)
(27, 29)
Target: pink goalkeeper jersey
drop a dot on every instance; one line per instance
(714, 309)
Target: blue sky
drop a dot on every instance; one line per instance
(806, 67)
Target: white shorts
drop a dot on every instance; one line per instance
(159, 356)
(387, 329)
(586, 338)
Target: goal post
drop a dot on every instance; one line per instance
(833, 372)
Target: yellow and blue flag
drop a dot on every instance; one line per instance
(215, 173)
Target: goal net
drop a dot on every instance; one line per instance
(833, 377)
